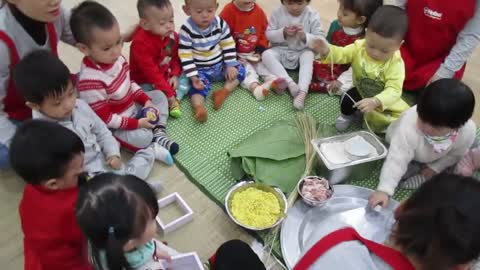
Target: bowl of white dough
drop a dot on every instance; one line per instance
(314, 190)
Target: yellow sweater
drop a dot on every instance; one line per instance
(383, 80)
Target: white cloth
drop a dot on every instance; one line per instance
(253, 73)
(25, 44)
(407, 144)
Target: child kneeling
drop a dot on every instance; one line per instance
(428, 138)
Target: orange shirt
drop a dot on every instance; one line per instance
(247, 27)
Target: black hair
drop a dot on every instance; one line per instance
(294, 1)
(111, 210)
(42, 150)
(446, 103)
(236, 255)
(439, 224)
(88, 15)
(39, 75)
(142, 5)
(364, 8)
(389, 22)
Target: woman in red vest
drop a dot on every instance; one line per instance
(25, 25)
(438, 228)
(441, 37)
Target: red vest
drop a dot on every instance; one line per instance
(395, 259)
(14, 102)
(434, 26)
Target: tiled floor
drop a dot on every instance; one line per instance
(211, 226)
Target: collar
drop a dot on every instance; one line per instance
(99, 66)
(352, 31)
(36, 29)
(43, 189)
(213, 25)
(245, 10)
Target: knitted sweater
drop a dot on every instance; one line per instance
(407, 143)
(110, 92)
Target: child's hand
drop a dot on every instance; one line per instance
(301, 35)
(333, 87)
(289, 31)
(144, 123)
(367, 104)
(378, 198)
(320, 46)
(163, 255)
(114, 162)
(149, 104)
(173, 82)
(231, 73)
(427, 172)
(197, 83)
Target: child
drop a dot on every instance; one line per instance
(248, 24)
(207, 53)
(154, 58)
(292, 27)
(25, 25)
(104, 83)
(352, 18)
(44, 82)
(117, 215)
(436, 134)
(378, 71)
(49, 158)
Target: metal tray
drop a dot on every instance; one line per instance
(381, 150)
(305, 225)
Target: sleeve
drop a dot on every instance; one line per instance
(185, 52)
(107, 142)
(274, 31)
(340, 55)
(467, 40)
(228, 45)
(175, 64)
(458, 151)
(346, 79)
(333, 27)
(139, 95)
(66, 34)
(95, 94)
(316, 29)
(262, 41)
(398, 3)
(7, 128)
(400, 154)
(141, 52)
(394, 77)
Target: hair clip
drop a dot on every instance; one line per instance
(111, 231)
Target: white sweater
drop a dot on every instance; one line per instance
(407, 143)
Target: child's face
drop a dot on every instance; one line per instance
(159, 21)
(202, 12)
(380, 48)
(105, 46)
(348, 18)
(73, 171)
(433, 131)
(295, 8)
(57, 107)
(40, 10)
(244, 4)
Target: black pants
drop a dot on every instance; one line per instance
(346, 102)
(236, 255)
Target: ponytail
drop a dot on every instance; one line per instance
(114, 252)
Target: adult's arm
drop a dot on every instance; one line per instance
(7, 128)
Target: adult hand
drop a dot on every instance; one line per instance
(378, 198)
(367, 104)
(320, 46)
(197, 83)
(334, 86)
(144, 123)
(231, 73)
(173, 81)
(114, 162)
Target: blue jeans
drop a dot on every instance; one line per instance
(4, 160)
(213, 74)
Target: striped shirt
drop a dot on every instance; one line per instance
(110, 92)
(205, 48)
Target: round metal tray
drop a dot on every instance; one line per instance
(305, 225)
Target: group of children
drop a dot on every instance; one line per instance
(127, 104)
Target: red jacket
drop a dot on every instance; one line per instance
(52, 238)
(154, 60)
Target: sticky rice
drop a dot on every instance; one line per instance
(256, 208)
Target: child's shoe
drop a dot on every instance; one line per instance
(344, 121)
(162, 154)
(201, 114)
(299, 100)
(279, 85)
(293, 88)
(260, 92)
(175, 111)
(219, 98)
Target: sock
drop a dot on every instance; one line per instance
(162, 154)
(160, 137)
(299, 100)
(413, 182)
(293, 88)
(260, 92)
(219, 98)
(201, 114)
(279, 85)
